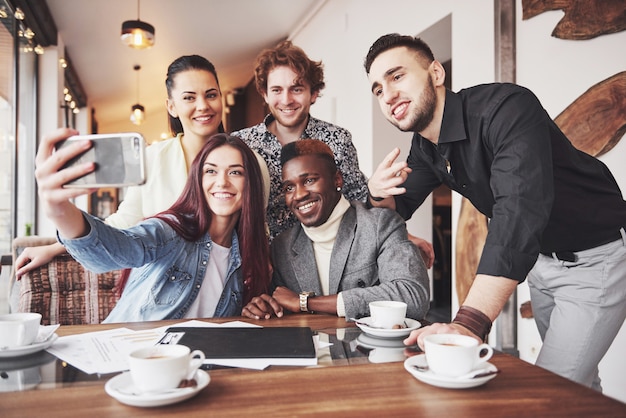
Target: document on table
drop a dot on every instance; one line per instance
(107, 351)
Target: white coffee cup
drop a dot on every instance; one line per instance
(454, 355)
(19, 329)
(387, 313)
(163, 367)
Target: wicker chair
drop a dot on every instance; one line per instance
(62, 290)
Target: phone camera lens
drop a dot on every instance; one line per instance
(136, 146)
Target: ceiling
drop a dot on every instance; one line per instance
(229, 33)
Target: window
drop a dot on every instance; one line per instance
(18, 104)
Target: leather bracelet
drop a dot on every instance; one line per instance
(374, 198)
(474, 320)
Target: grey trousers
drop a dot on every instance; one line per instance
(579, 307)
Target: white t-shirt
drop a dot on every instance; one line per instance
(212, 285)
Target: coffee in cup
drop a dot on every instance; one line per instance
(163, 367)
(387, 313)
(454, 355)
(19, 329)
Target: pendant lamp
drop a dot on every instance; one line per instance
(137, 34)
(137, 112)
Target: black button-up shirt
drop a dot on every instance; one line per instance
(500, 149)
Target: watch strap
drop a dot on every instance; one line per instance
(304, 301)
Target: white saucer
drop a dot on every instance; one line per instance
(443, 381)
(388, 333)
(368, 341)
(28, 349)
(121, 388)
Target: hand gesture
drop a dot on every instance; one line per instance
(33, 257)
(262, 307)
(388, 176)
(417, 336)
(50, 174)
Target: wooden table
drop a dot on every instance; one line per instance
(349, 388)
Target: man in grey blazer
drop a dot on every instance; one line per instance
(342, 255)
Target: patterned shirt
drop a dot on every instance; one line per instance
(260, 139)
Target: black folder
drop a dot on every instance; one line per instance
(275, 345)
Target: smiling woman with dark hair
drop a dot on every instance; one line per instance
(205, 256)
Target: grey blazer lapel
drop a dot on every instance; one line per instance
(303, 264)
(341, 249)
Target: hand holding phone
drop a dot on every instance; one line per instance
(119, 159)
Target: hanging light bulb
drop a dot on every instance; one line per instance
(137, 34)
(137, 113)
(19, 14)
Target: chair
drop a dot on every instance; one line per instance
(5, 260)
(63, 291)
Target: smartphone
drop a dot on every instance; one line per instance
(119, 158)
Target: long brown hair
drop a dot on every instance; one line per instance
(190, 216)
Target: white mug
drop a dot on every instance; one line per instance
(454, 355)
(163, 367)
(387, 313)
(19, 329)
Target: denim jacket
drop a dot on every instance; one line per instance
(168, 270)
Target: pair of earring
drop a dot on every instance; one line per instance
(338, 188)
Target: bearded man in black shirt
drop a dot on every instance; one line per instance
(557, 215)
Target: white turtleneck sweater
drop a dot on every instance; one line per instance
(323, 238)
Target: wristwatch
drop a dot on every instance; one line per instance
(304, 300)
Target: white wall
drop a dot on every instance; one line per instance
(557, 71)
(154, 129)
(341, 34)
